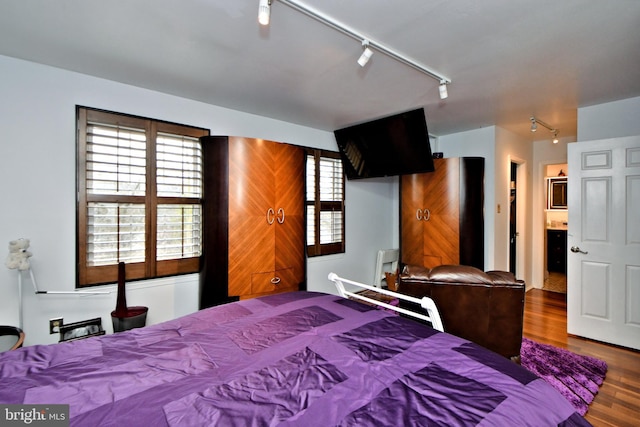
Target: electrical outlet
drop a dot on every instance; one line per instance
(54, 325)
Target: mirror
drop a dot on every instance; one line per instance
(557, 193)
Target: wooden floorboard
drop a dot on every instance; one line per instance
(618, 401)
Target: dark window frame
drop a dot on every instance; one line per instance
(316, 248)
(150, 267)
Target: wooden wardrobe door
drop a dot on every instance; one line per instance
(251, 195)
(411, 219)
(290, 233)
(442, 198)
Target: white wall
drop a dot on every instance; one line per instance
(38, 177)
(513, 148)
(609, 120)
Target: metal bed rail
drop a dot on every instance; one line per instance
(433, 315)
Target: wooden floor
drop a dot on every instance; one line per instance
(618, 401)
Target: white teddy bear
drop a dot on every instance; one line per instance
(18, 255)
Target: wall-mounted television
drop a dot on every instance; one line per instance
(390, 146)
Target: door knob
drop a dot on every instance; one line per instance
(576, 249)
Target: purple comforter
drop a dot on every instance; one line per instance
(295, 359)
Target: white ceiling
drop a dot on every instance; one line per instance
(507, 59)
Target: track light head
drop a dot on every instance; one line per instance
(366, 54)
(443, 89)
(264, 12)
(534, 126)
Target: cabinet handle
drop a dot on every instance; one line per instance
(281, 216)
(270, 214)
(423, 214)
(275, 280)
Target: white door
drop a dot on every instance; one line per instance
(603, 245)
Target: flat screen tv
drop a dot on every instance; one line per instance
(390, 146)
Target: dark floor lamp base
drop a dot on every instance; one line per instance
(134, 317)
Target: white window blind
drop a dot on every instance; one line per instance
(116, 160)
(330, 227)
(179, 231)
(311, 225)
(311, 197)
(331, 185)
(179, 166)
(116, 166)
(331, 190)
(115, 232)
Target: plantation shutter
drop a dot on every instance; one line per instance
(325, 203)
(139, 197)
(179, 174)
(116, 167)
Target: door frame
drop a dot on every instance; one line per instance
(521, 217)
(538, 229)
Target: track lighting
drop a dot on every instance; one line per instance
(263, 18)
(264, 12)
(443, 90)
(534, 126)
(366, 54)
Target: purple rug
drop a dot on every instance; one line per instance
(576, 377)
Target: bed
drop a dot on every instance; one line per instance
(291, 359)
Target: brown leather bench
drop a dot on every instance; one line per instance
(483, 307)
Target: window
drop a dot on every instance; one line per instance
(325, 203)
(139, 197)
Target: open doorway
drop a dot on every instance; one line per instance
(517, 217)
(513, 218)
(556, 226)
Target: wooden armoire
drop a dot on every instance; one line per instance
(441, 214)
(253, 208)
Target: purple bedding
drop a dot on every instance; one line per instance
(294, 359)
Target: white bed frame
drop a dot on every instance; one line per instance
(433, 316)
